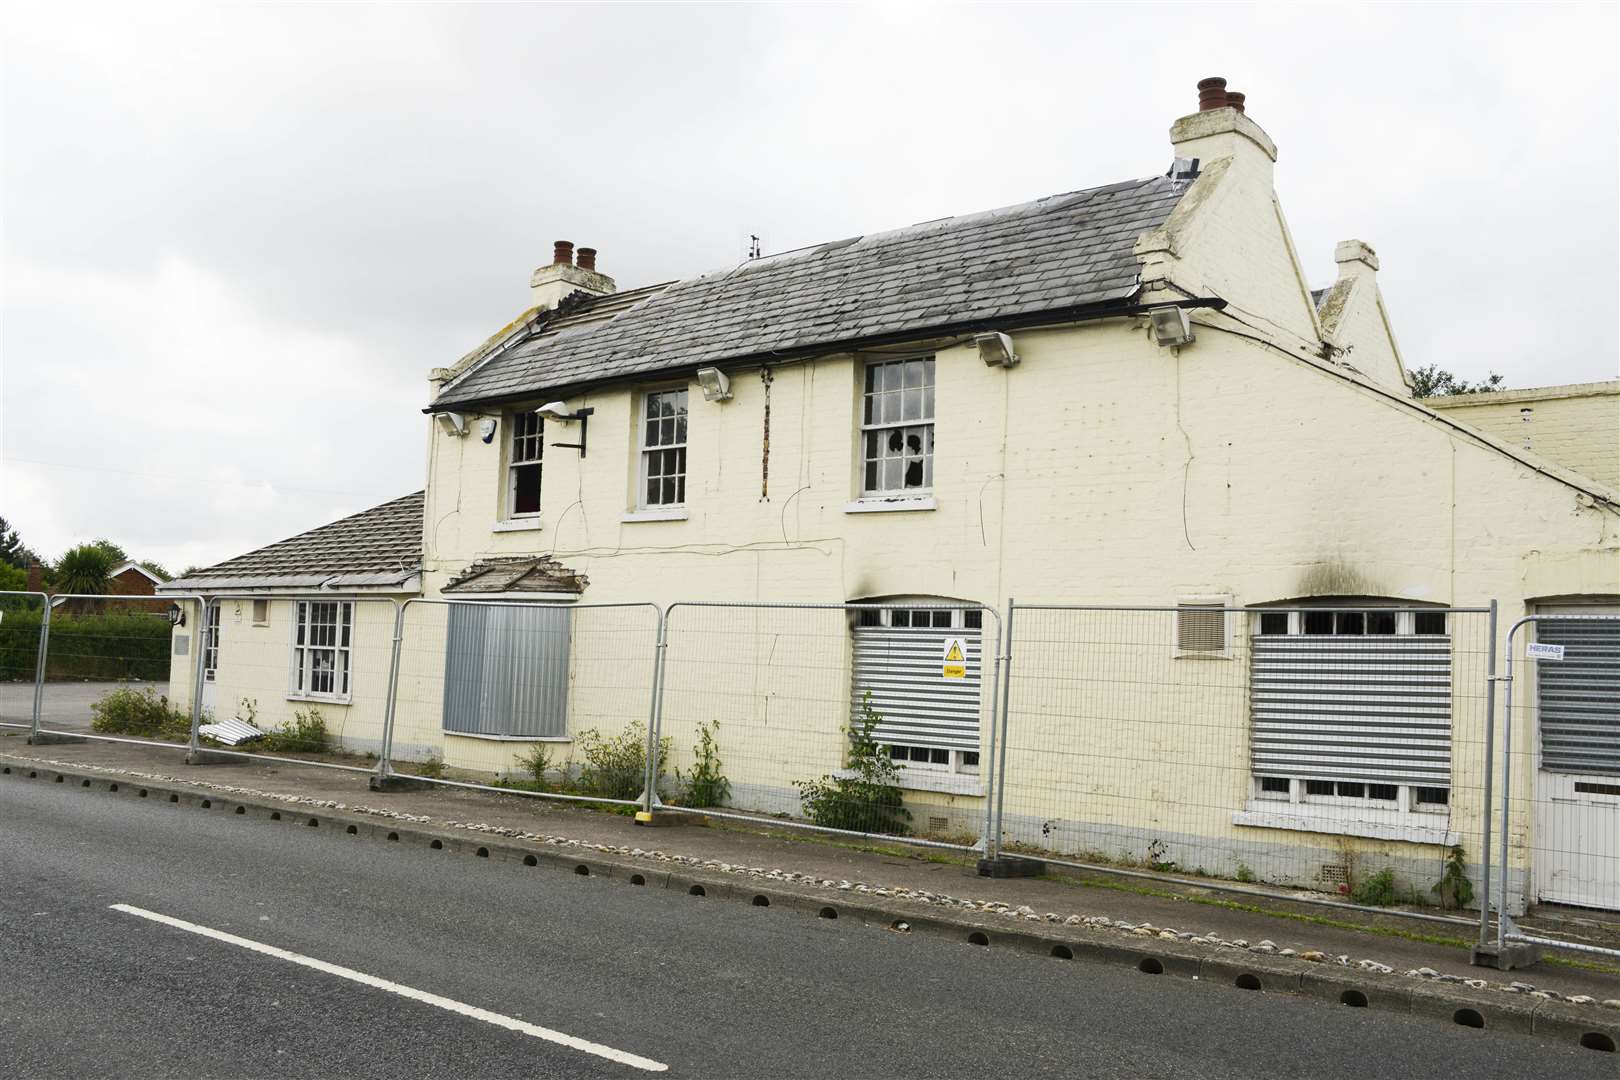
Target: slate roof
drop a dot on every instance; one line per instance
(541, 574)
(1065, 251)
(377, 547)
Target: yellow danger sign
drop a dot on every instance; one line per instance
(955, 660)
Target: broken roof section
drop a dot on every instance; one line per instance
(376, 550)
(537, 576)
(1053, 255)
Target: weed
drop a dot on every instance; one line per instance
(537, 763)
(1375, 891)
(705, 785)
(616, 768)
(431, 766)
(868, 798)
(1244, 874)
(1454, 890)
(305, 735)
(141, 714)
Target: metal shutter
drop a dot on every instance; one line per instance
(506, 670)
(1579, 696)
(1353, 708)
(901, 666)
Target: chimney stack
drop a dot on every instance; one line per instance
(36, 577)
(1235, 99)
(562, 277)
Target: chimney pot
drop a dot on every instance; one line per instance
(1235, 99)
(562, 253)
(1211, 94)
(587, 259)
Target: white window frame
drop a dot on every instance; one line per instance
(303, 654)
(210, 656)
(520, 441)
(928, 410)
(646, 451)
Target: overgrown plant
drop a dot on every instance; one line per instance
(537, 763)
(1454, 890)
(1375, 891)
(706, 784)
(306, 734)
(866, 797)
(141, 714)
(431, 766)
(616, 767)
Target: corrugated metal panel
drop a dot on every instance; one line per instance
(1579, 696)
(901, 666)
(1353, 708)
(506, 670)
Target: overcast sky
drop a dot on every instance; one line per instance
(236, 239)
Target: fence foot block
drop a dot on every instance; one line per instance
(1005, 867)
(395, 782)
(1507, 957)
(47, 739)
(207, 757)
(656, 820)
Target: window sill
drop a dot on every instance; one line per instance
(671, 513)
(508, 738)
(878, 504)
(321, 699)
(1344, 821)
(938, 780)
(517, 525)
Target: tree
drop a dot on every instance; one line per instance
(155, 568)
(86, 569)
(13, 552)
(1434, 381)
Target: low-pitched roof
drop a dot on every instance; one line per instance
(1052, 255)
(376, 548)
(537, 574)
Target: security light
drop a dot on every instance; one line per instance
(453, 423)
(1171, 326)
(556, 411)
(716, 387)
(996, 349)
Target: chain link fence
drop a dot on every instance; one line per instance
(1339, 750)
(864, 719)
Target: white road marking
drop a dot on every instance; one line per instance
(448, 1004)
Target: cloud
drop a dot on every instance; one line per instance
(236, 238)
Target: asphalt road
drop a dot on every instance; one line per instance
(65, 704)
(705, 987)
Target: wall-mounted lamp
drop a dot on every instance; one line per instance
(177, 615)
(996, 349)
(454, 423)
(557, 412)
(716, 386)
(1171, 326)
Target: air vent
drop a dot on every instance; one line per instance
(1200, 628)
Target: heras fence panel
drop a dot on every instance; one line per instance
(1336, 752)
(293, 677)
(551, 700)
(108, 667)
(1560, 788)
(24, 620)
(867, 719)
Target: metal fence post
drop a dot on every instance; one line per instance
(655, 712)
(39, 664)
(1507, 785)
(993, 847)
(386, 751)
(200, 658)
(991, 773)
(1490, 741)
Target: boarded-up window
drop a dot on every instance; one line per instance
(1579, 696)
(900, 660)
(1200, 628)
(506, 670)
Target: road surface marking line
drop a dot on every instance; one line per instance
(448, 1004)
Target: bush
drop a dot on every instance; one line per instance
(705, 785)
(1376, 891)
(140, 714)
(616, 768)
(1454, 890)
(305, 735)
(115, 645)
(868, 800)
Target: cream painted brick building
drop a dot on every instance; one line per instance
(1578, 426)
(1123, 396)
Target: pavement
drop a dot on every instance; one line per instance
(65, 703)
(244, 946)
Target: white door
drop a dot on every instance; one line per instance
(210, 659)
(1577, 797)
